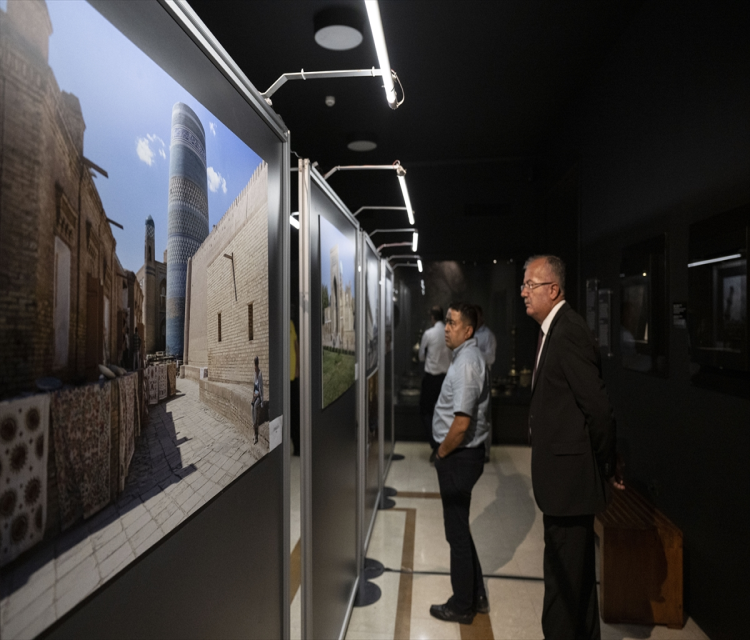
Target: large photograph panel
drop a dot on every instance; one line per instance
(337, 268)
(372, 311)
(135, 234)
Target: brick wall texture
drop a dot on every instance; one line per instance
(242, 233)
(46, 190)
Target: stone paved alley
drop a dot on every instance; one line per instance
(183, 458)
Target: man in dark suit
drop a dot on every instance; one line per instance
(573, 460)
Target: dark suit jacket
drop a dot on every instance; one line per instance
(572, 426)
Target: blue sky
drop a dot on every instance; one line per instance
(329, 237)
(127, 102)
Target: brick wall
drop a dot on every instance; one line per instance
(243, 233)
(45, 191)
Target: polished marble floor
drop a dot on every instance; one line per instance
(409, 541)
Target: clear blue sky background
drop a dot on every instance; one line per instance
(127, 102)
(330, 236)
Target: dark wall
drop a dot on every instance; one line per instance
(661, 138)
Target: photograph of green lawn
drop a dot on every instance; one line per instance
(338, 374)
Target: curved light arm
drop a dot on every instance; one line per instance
(314, 75)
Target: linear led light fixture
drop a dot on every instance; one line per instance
(722, 259)
(414, 241)
(385, 71)
(378, 35)
(400, 172)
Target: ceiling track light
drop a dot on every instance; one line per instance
(414, 241)
(400, 172)
(385, 71)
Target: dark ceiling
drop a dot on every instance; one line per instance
(487, 83)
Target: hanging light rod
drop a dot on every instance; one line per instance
(385, 71)
(396, 166)
(406, 264)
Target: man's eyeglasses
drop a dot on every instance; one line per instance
(533, 285)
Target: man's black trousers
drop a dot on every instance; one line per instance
(457, 475)
(571, 609)
(431, 385)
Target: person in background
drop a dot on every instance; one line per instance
(136, 350)
(124, 359)
(487, 344)
(573, 459)
(437, 358)
(460, 427)
(257, 399)
(294, 388)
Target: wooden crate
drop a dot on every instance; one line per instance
(641, 563)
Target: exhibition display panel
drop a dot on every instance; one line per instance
(370, 388)
(386, 357)
(330, 470)
(144, 466)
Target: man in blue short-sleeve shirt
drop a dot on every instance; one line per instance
(460, 428)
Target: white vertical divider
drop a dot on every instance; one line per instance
(286, 427)
(305, 352)
(381, 381)
(361, 375)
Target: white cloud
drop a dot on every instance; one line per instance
(148, 146)
(144, 152)
(212, 126)
(215, 181)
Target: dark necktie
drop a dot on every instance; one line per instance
(536, 357)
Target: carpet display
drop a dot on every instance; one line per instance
(24, 440)
(162, 373)
(153, 385)
(128, 410)
(81, 430)
(172, 378)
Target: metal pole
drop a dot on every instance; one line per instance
(394, 244)
(305, 340)
(361, 209)
(364, 167)
(317, 75)
(286, 410)
(410, 230)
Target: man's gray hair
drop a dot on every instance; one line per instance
(556, 266)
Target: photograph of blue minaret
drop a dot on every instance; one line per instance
(188, 214)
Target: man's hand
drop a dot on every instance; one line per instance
(455, 435)
(617, 480)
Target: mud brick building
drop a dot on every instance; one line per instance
(60, 292)
(226, 310)
(152, 278)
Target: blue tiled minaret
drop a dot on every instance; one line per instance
(188, 214)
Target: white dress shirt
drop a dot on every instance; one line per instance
(545, 328)
(433, 352)
(487, 344)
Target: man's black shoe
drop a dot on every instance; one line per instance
(483, 605)
(444, 612)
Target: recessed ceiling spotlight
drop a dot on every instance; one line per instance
(361, 141)
(330, 101)
(338, 28)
